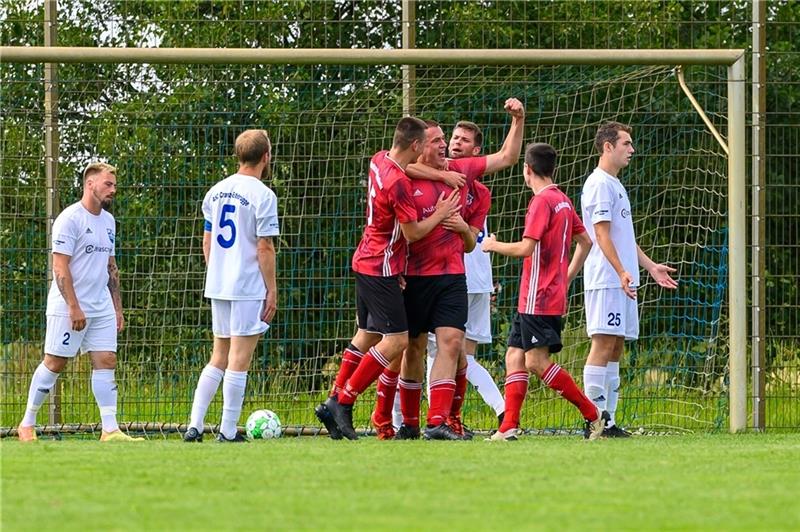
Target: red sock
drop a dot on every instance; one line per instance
(460, 392)
(350, 360)
(410, 395)
(441, 400)
(368, 370)
(384, 398)
(559, 380)
(516, 389)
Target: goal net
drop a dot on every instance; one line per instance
(169, 129)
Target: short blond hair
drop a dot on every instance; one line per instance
(98, 167)
(251, 145)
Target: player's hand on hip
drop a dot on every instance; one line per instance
(627, 284)
(661, 274)
(515, 108)
(120, 322)
(270, 306)
(78, 318)
(487, 244)
(454, 179)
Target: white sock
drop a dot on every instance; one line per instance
(42, 384)
(612, 390)
(397, 414)
(105, 394)
(480, 378)
(594, 384)
(207, 386)
(233, 385)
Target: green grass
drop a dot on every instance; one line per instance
(717, 481)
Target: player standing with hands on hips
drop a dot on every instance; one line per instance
(611, 273)
(241, 218)
(84, 306)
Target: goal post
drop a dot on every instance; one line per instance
(734, 60)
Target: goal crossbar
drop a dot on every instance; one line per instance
(351, 56)
(733, 59)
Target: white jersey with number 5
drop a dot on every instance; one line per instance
(237, 211)
(604, 199)
(88, 240)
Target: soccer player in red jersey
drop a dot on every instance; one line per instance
(377, 262)
(550, 226)
(436, 294)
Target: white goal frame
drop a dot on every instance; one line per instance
(733, 59)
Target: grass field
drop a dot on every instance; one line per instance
(716, 481)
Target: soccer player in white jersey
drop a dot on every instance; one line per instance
(241, 218)
(84, 307)
(611, 272)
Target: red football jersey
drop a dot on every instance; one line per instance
(551, 220)
(479, 201)
(383, 249)
(441, 251)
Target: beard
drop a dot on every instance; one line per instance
(106, 203)
(266, 173)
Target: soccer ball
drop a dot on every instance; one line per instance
(263, 425)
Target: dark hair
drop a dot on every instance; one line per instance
(407, 131)
(431, 123)
(251, 145)
(609, 132)
(472, 126)
(541, 158)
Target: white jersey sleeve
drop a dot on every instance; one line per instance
(267, 215)
(478, 266)
(604, 199)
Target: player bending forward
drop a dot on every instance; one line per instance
(550, 226)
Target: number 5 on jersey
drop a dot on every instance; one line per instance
(224, 222)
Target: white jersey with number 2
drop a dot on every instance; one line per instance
(237, 211)
(604, 199)
(88, 239)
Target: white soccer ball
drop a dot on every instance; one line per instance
(263, 425)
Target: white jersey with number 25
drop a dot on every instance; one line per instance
(237, 211)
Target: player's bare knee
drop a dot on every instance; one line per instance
(104, 360)
(54, 363)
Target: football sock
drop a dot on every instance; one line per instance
(483, 382)
(559, 380)
(233, 385)
(41, 384)
(516, 389)
(459, 392)
(105, 394)
(384, 397)
(397, 413)
(612, 391)
(441, 399)
(594, 384)
(207, 386)
(351, 357)
(368, 370)
(410, 395)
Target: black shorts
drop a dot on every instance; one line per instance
(379, 304)
(436, 301)
(529, 331)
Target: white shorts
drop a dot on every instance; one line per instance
(610, 311)
(237, 318)
(100, 334)
(479, 325)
